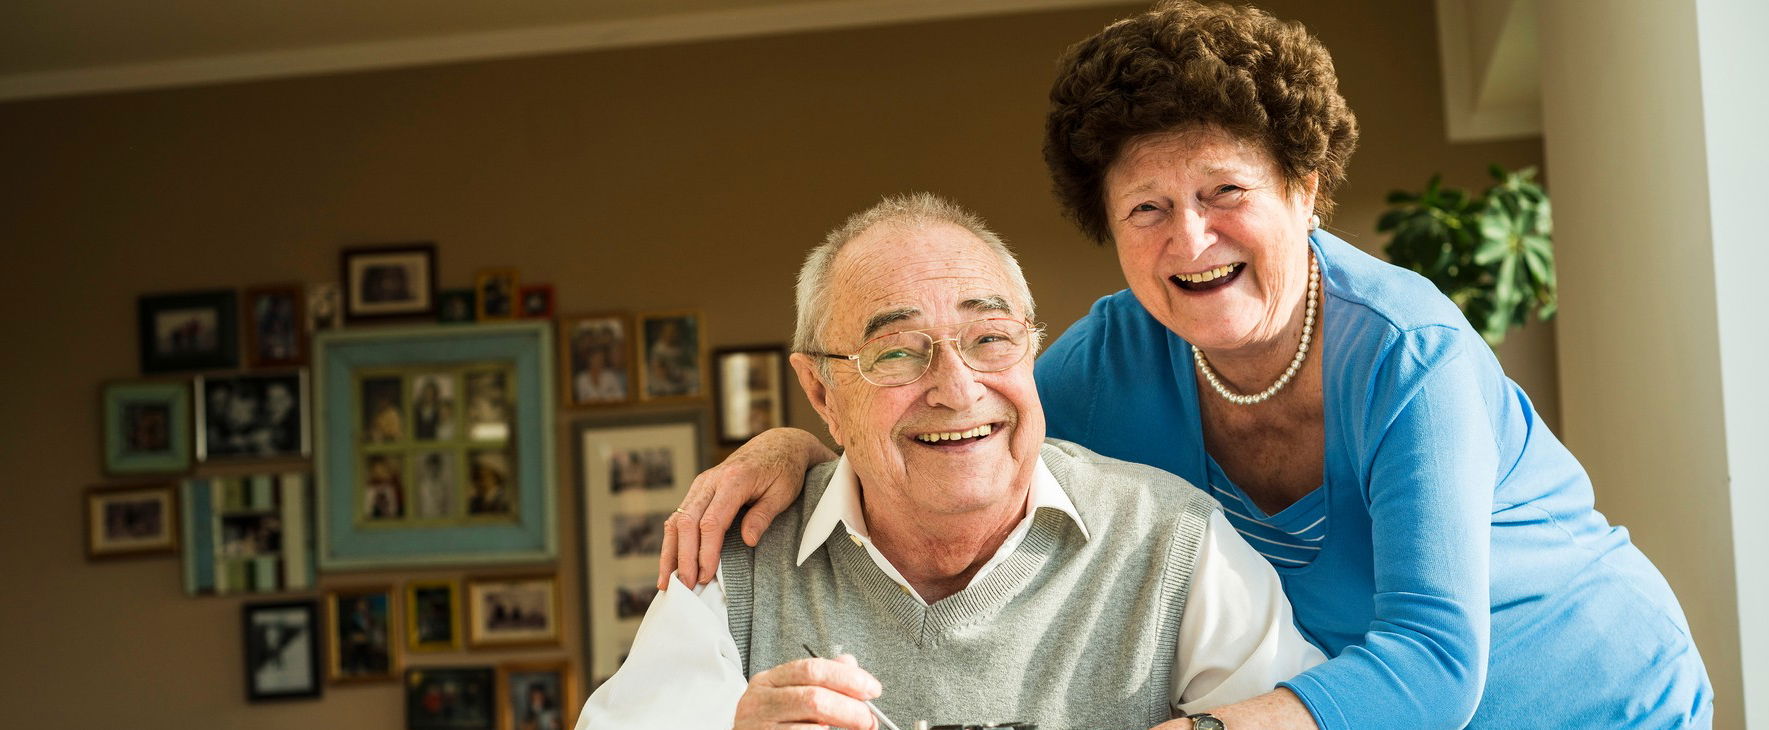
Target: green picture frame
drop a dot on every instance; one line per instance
(364, 452)
(147, 427)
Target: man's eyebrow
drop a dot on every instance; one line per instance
(991, 303)
(888, 317)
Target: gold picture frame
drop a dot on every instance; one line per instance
(556, 681)
(425, 629)
(520, 610)
(362, 641)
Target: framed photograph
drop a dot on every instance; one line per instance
(276, 326)
(325, 306)
(130, 521)
(450, 698)
(595, 359)
(456, 306)
(537, 301)
(389, 282)
(282, 650)
(632, 471)
(497, 290)
(146, 427)
(752, 384)
(433, 615)
(537, 696)
(436, 447)
(247, 534)
(252, 416)
(188, 331)
(513, 610)
(363, 641)
(672, 356)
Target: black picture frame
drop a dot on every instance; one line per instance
(263, 434)
(192, 330)
(407, 276)
(272, 650)
(466, 698)
(750, 387)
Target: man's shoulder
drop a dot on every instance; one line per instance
(1091, 477)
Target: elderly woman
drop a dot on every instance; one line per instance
(1434, 538)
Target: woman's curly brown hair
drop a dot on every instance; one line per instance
(1185, 64)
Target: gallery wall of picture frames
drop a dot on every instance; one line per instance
(282, 436)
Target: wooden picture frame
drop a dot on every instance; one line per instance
(130, 521)
(495, 292)
(672, 356)
(513, 610)
(751, 388)
(276, 326)
(632, 470)
(369, 451)
(433, 615)
(388, 282)
(193, 330)
(147, 427)
(456, 306)
(362, 635)
(451, 698)
(556, 685)
(281, 640)
(247, 533)
(535, 301)
(252, 416)
(596, 355)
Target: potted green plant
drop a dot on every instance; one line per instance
(1492, 255)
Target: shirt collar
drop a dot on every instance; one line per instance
(840, 505)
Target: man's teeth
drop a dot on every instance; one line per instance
(983, 430)
(1203, 276)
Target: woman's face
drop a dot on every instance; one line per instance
(1211, 240)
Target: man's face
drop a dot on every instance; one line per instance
(928, 276)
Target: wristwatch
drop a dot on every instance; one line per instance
(1205, 721)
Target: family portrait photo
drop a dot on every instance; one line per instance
(537, 696)
(639, 533)
(188, 330)
(644, 468)
(433, 615)
(252, 416)
(673, 362)
(361, 644)
(595, 357)
(450, 698)
(389, 282)
(125, 521)
(276, 326)
(512, 610)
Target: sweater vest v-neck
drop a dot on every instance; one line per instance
(1066, 632)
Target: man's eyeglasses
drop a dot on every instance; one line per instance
(986, 345)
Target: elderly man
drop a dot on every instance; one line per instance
(975, 570)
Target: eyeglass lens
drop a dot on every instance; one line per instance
(987, 346)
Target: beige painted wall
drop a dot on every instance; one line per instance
(686, 176)
(1640, 340)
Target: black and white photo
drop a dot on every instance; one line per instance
(252, 416)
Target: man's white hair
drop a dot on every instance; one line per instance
(905, 213)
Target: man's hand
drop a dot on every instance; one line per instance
(768, 471)
(809, 694)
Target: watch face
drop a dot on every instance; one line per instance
(1206, 722)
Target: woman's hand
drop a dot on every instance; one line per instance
(766, 473)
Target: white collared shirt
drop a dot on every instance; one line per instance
(1236, 637)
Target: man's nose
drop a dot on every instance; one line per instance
(951, 382)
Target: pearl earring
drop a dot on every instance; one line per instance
(1314, 221)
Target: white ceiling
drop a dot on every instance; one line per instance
(69, 47)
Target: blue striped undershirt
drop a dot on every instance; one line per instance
(1290, 539)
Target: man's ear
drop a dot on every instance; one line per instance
(817, 391)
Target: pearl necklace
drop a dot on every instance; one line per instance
(1314, 291)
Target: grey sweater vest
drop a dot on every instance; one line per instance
(1067, 632)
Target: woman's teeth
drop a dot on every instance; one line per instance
(983, 430)
(1203, 276)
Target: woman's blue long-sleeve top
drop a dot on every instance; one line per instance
(1452, 564)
